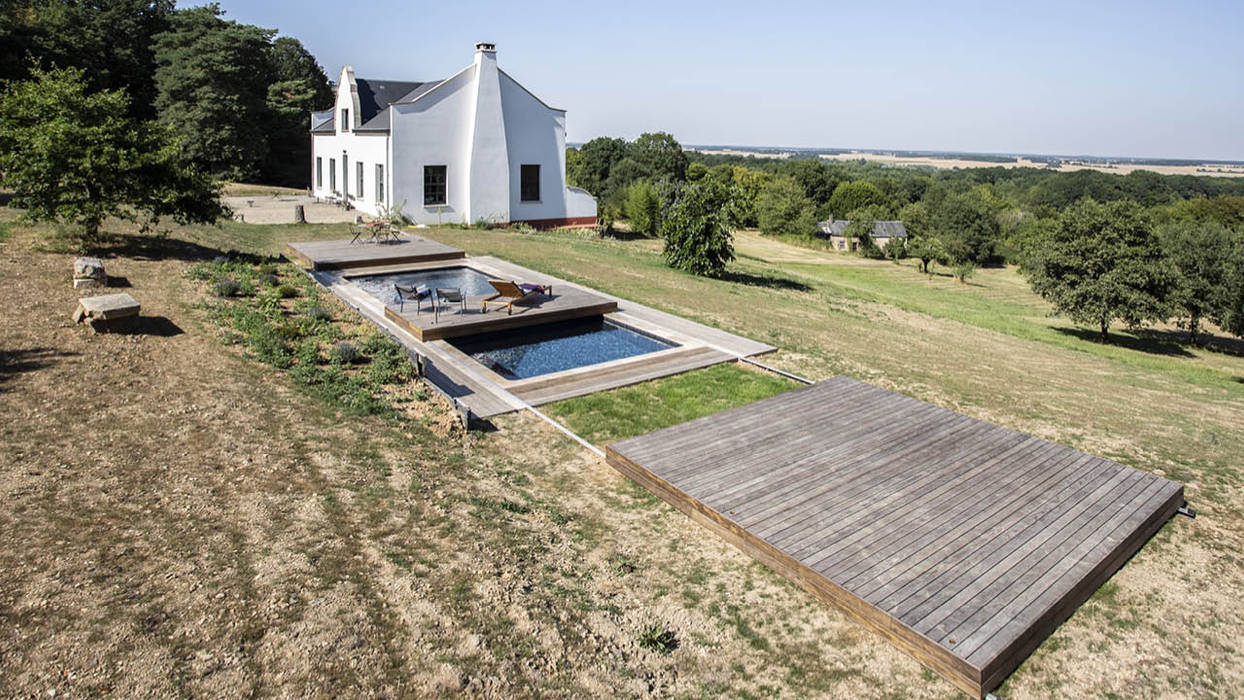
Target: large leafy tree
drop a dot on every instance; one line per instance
(76, 156)
(817, 182)
(110, 40)
(1201, 254)
(850, 196)
(299, 87)
(660, 155)
(697, 230)
(212, 78)
(1101, 263)
(967, 224)
(784, 209)
(1231, 306)
(590, 169)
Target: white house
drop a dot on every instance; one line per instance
(475, 146)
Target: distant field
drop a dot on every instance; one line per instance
(1066, 166)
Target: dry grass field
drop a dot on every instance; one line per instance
(179, 519)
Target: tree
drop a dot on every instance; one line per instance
(697, 230)
(861, 229)
(110, 40)
(850, 196)
(927, 249)
(916, 219)
(621, 175)
(1102, 263)
(812, 175)
(643, 208)
(696, 171)
(212, 79)
(300, 87)
(968, 226)
(595, 161)
(659, 155)
(78, 157)
(783, 209)
(747, 185)
(1200, 254)
(1231, 306)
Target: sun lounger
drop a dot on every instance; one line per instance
(510, 293)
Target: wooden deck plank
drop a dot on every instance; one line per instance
(342, 254)
(926, 544)
(722, 340)
(560, 306)
(623, 375)
(923, 524)
(808, 444)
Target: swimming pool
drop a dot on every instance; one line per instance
(554, 347)
(472, 282)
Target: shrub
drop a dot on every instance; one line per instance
(697, 230)
(226, 288)
(318, 313)
(345, 353)
(268, 280)
(658, 639)
(287, 291)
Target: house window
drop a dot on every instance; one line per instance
(332, 174)
(345, 174)
(345, 120)
(434, 185)
(529, 188)
(379, 182)
(358, 178)
(319, 173)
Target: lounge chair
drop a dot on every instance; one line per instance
(415, 294)
(510, 293)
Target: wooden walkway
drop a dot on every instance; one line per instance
(963, 543)
(341, 254)
(564, 304)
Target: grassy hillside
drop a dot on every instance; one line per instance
(182, 519)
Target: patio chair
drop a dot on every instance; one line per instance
(453, 295)
(415, 294)
(510, 293)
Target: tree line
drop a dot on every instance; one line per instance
(1102, 248)
(235, 96)
(135, 108)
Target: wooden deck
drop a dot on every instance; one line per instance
(341, 254)
(562, 305)
(963, 543)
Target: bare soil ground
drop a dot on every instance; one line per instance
(180, 520)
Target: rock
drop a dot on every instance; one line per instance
(89, 268)
(87, 283)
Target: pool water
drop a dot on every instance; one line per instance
(472, 282)
(553, 347)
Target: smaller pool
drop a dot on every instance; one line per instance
(553, 347)
(472, 282)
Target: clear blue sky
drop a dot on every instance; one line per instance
(1155, 79)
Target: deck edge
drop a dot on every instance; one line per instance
(925, 651)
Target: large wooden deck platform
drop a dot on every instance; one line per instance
(342, 254)
(963, 543)
(561, 305)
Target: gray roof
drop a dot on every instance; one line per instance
(882, 229)
(375, 95)
(374, 98)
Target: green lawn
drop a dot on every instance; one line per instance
(609, 416)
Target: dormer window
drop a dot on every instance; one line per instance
(345, 120)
